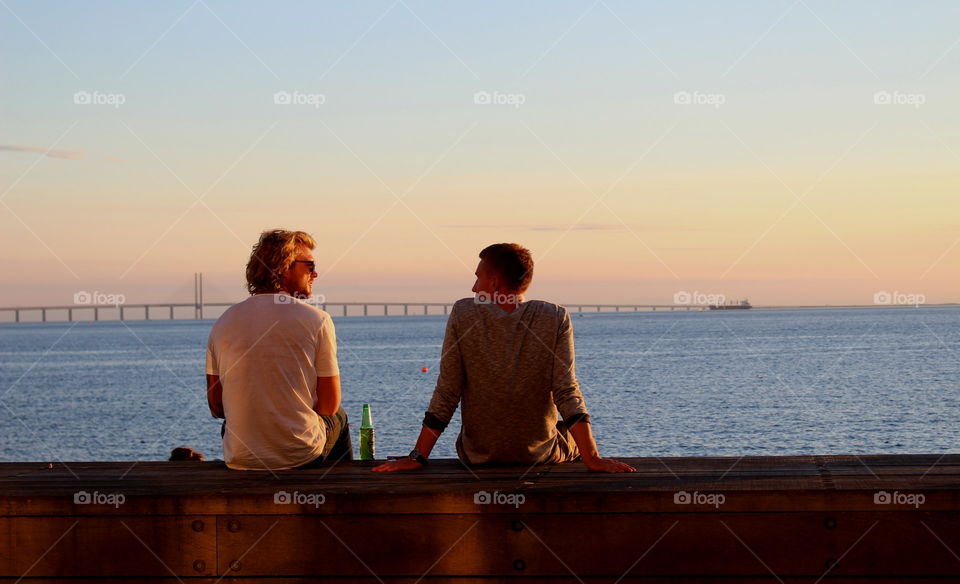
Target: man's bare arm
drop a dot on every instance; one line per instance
(583, 436)
(215, 395)
(328, 396)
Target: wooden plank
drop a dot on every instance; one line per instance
(537, 501)
(555, 545)
(787, 483)
(486, 580)
(35, 547)
(906, 542)
(748, 473)
(788, 515)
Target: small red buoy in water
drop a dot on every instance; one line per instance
(424, 369)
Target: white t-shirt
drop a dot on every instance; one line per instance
(268, 351)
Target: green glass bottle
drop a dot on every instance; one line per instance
(368, 442)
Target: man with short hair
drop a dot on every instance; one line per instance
(510, 364)
(272, 369)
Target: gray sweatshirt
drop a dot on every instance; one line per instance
(512, 371)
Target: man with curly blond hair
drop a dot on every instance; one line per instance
(272, 370)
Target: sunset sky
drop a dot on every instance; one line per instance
(789, 152)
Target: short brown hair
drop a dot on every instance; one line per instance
(513, 262)
(272, 256)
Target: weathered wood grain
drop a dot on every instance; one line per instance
(714, 519)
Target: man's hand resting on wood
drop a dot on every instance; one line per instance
(399, 464)
(608, 465)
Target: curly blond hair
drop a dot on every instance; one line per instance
(272, 256)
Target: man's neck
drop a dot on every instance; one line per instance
(511, 306)
(280, 291)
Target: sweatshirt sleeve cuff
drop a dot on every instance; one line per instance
(581, 417)
(434, 423)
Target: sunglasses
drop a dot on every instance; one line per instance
(311, 265)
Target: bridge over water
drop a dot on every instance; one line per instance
(200, 310)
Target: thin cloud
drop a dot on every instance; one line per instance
(557, 227)
(64, 154)
(609, 227)
(578, 227)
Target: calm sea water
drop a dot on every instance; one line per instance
(871, 380)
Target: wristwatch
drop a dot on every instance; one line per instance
(415, 455)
